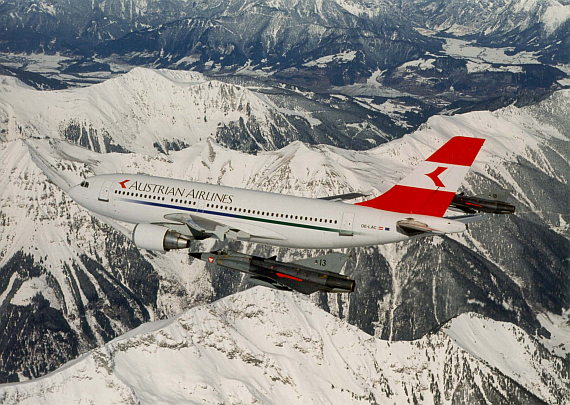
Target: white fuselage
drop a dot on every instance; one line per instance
(269, 218)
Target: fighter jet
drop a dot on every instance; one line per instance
(307, 276)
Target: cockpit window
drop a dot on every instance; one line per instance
(84, 184)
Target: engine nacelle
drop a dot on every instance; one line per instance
(156, 237)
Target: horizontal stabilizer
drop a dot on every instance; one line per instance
(332, 262)
(467, 219)
(411, 227)
(342, 197)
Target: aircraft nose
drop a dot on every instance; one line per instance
(74, 193)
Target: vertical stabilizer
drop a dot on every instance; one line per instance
(430, 187)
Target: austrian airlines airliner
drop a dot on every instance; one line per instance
(169, 213)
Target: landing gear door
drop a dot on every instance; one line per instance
(346, 225)
(104, 193)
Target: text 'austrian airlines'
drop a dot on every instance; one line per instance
(170, 213)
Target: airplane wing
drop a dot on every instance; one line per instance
(200, 227)
(342, 197)
(284, 284)
(204, 227)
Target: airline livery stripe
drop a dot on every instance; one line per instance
(459, 150)
(225, 214)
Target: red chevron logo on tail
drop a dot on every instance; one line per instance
(434, 176)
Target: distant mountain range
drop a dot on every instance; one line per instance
(301, 97)
(429, 57)
(278, 29)
(73, 281)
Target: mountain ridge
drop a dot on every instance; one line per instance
(247, 348)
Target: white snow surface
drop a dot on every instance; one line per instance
(478, 54)
(269, 347)
(135, 110)
(506, 347)
(342, 57)
(259, 344)
(559, 327)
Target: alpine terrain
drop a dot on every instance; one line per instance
(302, 97)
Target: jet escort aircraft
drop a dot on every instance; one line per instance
(169, 214)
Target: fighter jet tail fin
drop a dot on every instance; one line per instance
(430, 187)
(332, 262)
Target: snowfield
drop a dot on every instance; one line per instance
(168, 342)
(270, 347)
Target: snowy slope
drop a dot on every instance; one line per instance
(151, 111)
(509, 269)
(264, 346)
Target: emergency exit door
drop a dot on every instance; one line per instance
(346, 225)
(105, 189)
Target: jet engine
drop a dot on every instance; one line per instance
(156, 237)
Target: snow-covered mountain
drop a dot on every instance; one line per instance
(264, 346)
(71, 281)
(150, 111)
(539, 26)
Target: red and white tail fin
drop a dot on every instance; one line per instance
(429, 189)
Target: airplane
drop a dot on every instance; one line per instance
(490, 203)
(169, 213)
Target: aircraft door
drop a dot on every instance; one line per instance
(346, 225)
(104, 193)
